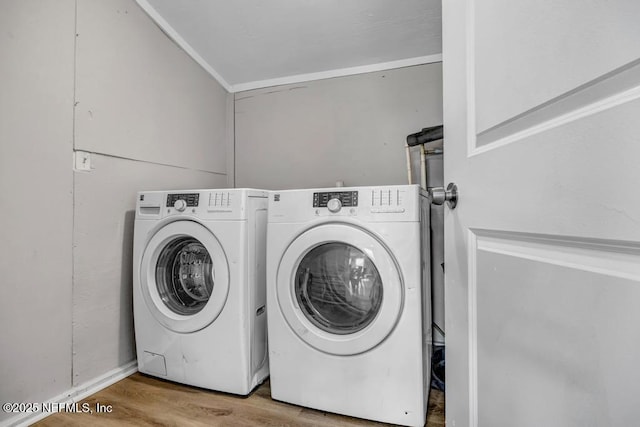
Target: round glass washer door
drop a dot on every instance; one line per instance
(339, 289)
(184, 276)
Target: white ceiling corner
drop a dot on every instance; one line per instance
(249, 44)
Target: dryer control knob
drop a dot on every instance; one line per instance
(180, 205)
(334, 205)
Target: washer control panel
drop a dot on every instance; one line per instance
(189, 199)
(332, 199)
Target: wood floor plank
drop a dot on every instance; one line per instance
(141, 400)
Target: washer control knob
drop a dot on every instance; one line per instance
(334, 205)
(180, 205)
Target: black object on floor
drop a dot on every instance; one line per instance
(437, 368)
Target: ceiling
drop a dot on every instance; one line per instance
(248, 44)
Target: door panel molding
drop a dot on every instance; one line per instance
(470, 65)
(607, 92)
(609, 262)
(472, 298)
(620, 80)
(612, 258)
(536, 50)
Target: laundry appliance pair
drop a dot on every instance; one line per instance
(347, 295)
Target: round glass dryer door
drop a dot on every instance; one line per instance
(184, 276)
(339, 289)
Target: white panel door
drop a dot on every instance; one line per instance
(542, 253)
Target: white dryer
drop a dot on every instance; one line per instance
(348, 297)
(199, 287)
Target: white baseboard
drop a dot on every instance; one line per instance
(76, 394)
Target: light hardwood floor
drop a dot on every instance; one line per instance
(145, 401)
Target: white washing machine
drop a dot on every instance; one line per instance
(348, 297)
(199, 287)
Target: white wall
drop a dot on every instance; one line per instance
(151, 119)
(351, 129)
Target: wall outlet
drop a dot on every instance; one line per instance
(81, 161)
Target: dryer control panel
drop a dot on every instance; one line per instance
(384, 203)
(346, 198)
(191, 199)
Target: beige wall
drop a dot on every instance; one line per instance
(151, 119)
(139, 97)
(169, 110)
(351, 129)
(36, 183)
